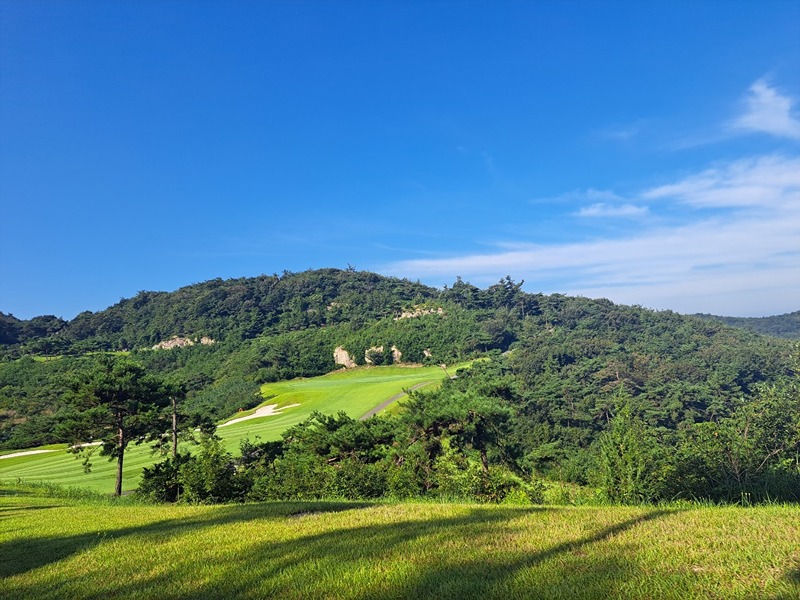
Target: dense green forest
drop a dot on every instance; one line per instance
(785, 326)
(645, 405)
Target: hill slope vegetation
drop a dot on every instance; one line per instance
(563, 377)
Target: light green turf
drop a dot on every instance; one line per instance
(54, 548)
(355, 392)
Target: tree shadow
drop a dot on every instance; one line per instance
(792, 579)
(580, 575)
(20, 555)
(4, 491)
(13, 509)
(306, 566)
(794, 575)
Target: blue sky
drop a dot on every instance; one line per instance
(646, 152)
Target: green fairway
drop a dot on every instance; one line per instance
(354, 392)
(56, 548)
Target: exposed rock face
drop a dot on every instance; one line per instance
(180, 342)
(174, 342)
(342, 357)
(397, 356)
(419, 311)
(369, 351)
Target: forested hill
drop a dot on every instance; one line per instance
(223, 310)
(785, 326)
(234, 310)
(568, 355)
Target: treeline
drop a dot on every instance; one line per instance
(224, 310)
(568, 354)
(468, 440)
(221, 378)
(302, 318)
(785, 326)
(444, 444)
(644, 405)
(235, 310)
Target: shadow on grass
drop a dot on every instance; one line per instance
(14, 509)
(469, 555)
(334, 557)
(13, 492)
(792, 582)
(23, 554)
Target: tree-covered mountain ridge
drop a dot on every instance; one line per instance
(566, 356)
(784, 326)
(223, 310)
(246, 308)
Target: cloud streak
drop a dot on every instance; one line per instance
(767, 111)
(601, 209)
(745, 259)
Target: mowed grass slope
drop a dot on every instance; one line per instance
(55, 548)
(355, 392)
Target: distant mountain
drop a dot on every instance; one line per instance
(784, 326)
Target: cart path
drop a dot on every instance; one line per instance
(394, 398)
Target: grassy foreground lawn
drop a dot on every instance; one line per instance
(354, 392)
(56, 548)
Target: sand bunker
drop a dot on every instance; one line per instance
(30, 452)
(26, 453)
(264, 411)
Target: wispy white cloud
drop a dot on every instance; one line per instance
(601, 209)
(622, 133)
(761, 182)
(764, 109)
(597, 203)
(767, 111)
(602, 196)
(738, 262)
(576, 196)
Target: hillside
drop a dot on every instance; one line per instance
(354, 392)
(784, 326)
(562, 376)
(222, 310)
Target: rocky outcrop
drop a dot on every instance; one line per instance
(369, 352)
(419, 311)
(342, 357)
(397, 356)
(180, 342)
